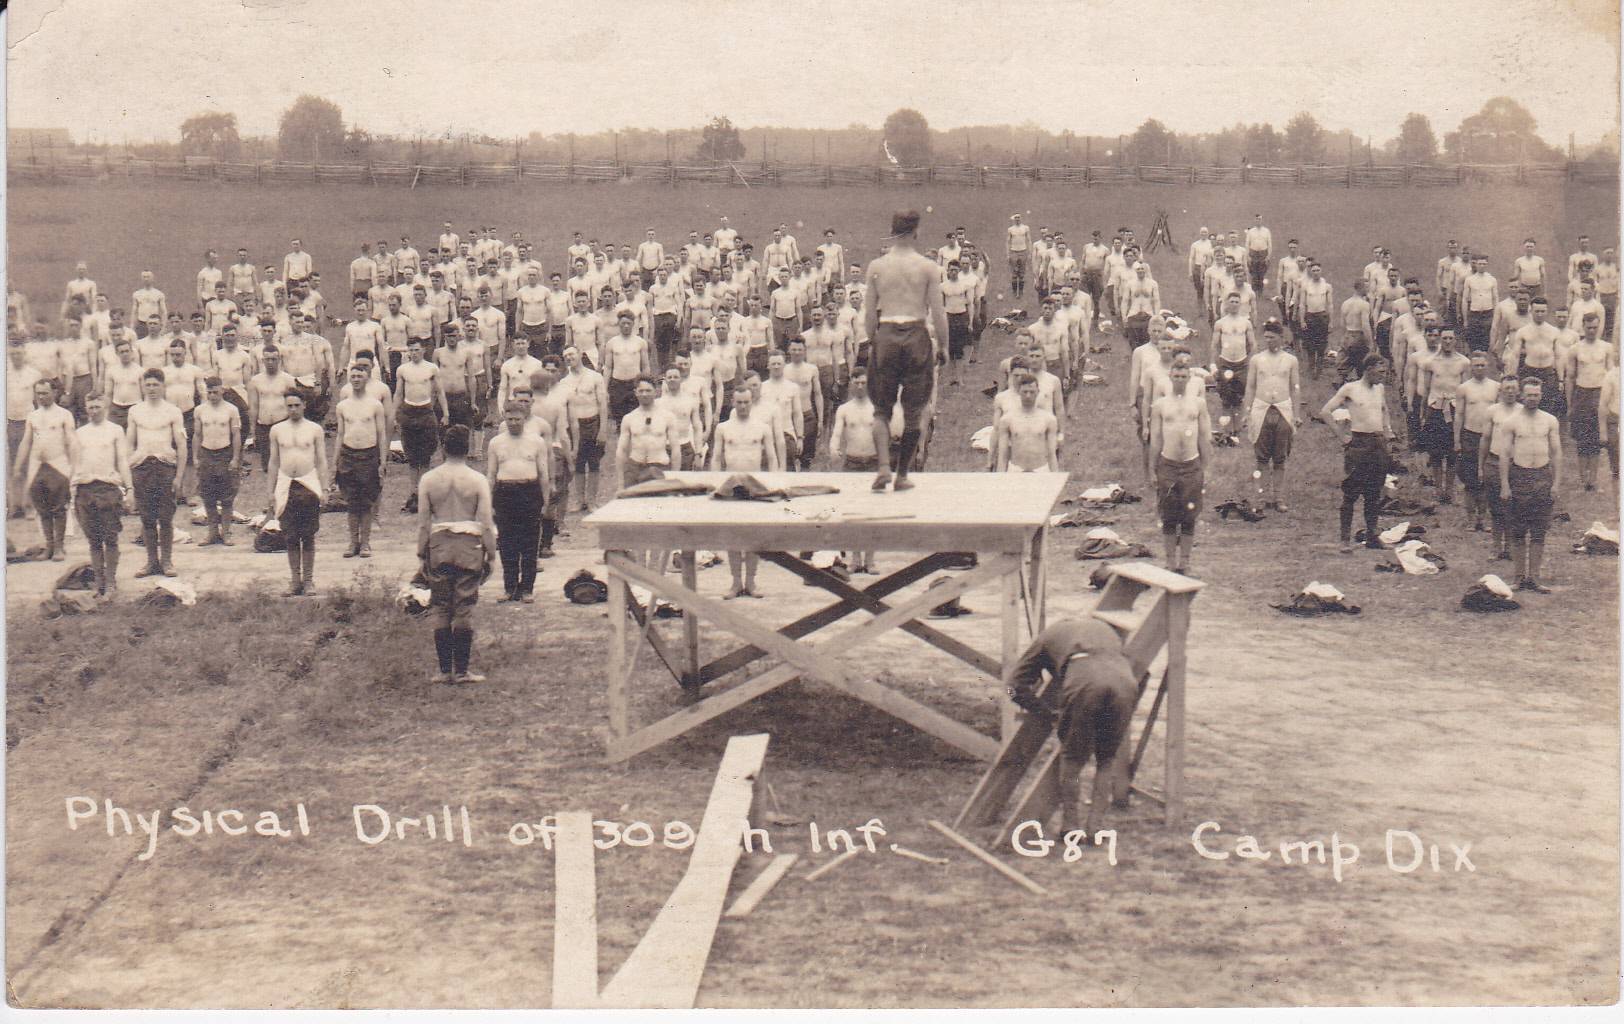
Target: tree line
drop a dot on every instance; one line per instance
(313, 130)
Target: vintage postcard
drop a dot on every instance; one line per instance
(841, 506)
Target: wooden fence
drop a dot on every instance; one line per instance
(755, 175)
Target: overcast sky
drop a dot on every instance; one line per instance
(114, 69)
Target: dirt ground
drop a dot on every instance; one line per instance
(1498, 733)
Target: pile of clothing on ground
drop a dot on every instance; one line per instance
(1317, 599)
(1489, 594)
(1598, 540)
(1103, 542)
(1242, 509)
(1415, 558)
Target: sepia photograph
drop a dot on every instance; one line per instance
(865, 506)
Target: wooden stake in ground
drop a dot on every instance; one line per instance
(663, 972)
(991, 861)
(575, 913)
(761, 885)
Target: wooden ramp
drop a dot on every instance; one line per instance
(664, 970)
(1150, 608)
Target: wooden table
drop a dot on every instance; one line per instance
(1003, 518)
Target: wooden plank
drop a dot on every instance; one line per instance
(645, 619)
(1119, 594)
(664, 971)
(887, 700)
(1039, 590)
(805, 534)
(695, 715)
(575, 913)
(991, 861)
(618, 708)
(922, 717)
(1010, 652)
(1143, 644)
(1155, 576)
(1150, 724)
(802, 656)
(761, 885)
(690, 624)
(1178, 626)
(995, 502)
(994, 787)
(834, 585)
(811, 623)
(1037, 799)
(818, 873)
(1124, 622)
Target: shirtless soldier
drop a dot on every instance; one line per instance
(744, 444)
(455, 537)
(519, 464)
(1272, 413)
(1530, 473)
(361, 438)
(904, 290)
(1181, 434)
(1365, 434)
(298, 477)
(1026, 436)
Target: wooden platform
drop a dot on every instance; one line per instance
(1002, 517)
(943, 512)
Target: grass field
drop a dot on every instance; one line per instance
(1500, 732)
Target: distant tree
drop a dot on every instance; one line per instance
(1263, 145)
(719, 141)
(1502, 132)
(357, 147)
(213, 135)
(1416, 142)
(1305, 139)
(906, 138)
(1149, 143)
(311, 129)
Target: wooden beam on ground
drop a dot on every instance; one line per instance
(664, 971)
(761, 885)
(818, 873)
(991, 861)
(575, 913)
